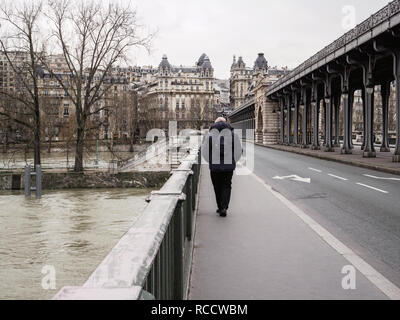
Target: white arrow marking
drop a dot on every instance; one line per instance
(381, 178)
(294, 177)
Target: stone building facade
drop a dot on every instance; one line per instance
(178, 93)
(249, 85)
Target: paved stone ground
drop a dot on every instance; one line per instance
(383, 161)
(263, 250)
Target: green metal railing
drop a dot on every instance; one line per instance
(153, 259)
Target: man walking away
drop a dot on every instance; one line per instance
(222, 149)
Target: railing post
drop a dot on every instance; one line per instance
(178, 252)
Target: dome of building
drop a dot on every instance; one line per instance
(206, 63)
(261, 63)
(201, 60)
(240, 63)
(164, 63)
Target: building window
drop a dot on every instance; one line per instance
(66, 111)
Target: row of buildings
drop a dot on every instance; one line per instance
(137, 98)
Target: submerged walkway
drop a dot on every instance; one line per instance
(264, 250)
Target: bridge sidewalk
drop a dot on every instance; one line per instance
(263, 250)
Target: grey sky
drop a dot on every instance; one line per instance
(287, 31)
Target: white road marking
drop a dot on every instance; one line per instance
(315, 170)
(381, 178)
(373, 188)
(293, 177)
(337, 177)
(382, 283)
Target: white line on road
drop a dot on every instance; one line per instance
(315, 170)
(382, 283)
(381, 178)
(337, 177)
(373, 188)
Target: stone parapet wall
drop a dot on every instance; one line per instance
(93, 180)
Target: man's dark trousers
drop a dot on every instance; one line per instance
(222, 182)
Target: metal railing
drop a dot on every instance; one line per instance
(152, 260)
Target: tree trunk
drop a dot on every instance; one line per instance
(79, 150)
(36, 148)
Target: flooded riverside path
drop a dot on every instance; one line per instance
(71, 230)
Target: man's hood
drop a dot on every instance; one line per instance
(221, 126)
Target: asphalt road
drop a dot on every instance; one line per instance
(350, 202)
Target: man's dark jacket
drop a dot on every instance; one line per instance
(222, 148)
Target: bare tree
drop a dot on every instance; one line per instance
(92, 37)
(18, 47)
(50, 119)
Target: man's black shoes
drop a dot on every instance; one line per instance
(222, 213)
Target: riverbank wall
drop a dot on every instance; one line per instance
(89, 180)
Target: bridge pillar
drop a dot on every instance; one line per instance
(296, 119)
(328, 121)
(322, 122)
(396, 156)
(385, 94)
(282, 114)
(315, 109)
(363, 95)
(351, 107)
(347, 100)
(288, 119)
(337, 107)
(369, 149)
(304, 106)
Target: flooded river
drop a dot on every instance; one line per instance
(69, 232)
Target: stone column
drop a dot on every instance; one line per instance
(385, 93)
(369, 149)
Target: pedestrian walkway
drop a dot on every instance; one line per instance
(264, 250)
(383, 161)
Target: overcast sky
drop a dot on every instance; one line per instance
(287, 31)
